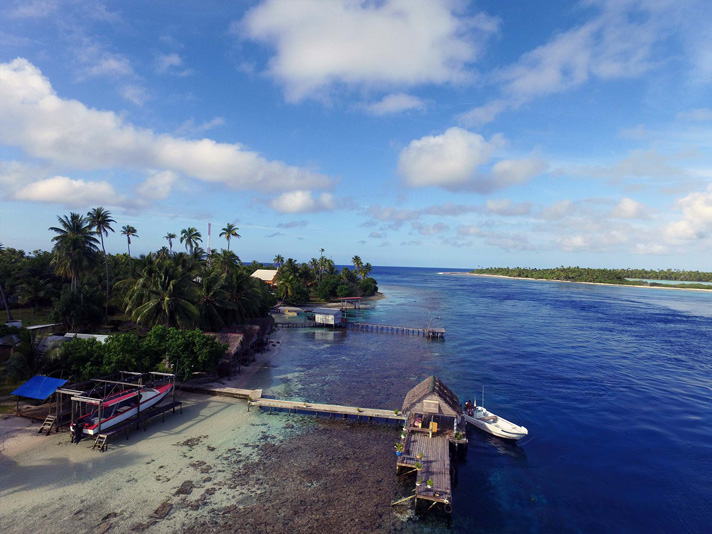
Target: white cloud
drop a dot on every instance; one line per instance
(171, 64)
(469, 230)
(157, 186)
(696, 222)
(68, 133)
(302, 201)
(696, 115)
(134, 93)
(453, 160)
(628, 208)
(387, 214)
(395, 103)
(392, 43)
(429, 229)
(504, 206)
(34, 8)
(190, 128)
(618, 43)
(68, 192)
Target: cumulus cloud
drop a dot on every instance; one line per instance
(157, 186)
(628, 208)
(414, 243)
(302, 201)
(395, 103)
(68, 133)
(696, 221)
(68, 192)
(387, 214)
(376, 235)
(134, 93)
(392, 43)
(453, 161)
(468, 230)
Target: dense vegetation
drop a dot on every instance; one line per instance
(175, 294)
(607, 276)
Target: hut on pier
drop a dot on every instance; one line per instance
(432, 407)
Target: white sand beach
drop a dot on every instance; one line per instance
(177, 468)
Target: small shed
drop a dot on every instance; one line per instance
(329, 316)
(266, 275)
(432, 401)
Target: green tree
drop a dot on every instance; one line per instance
(4, 273)
(191, 237)
(164, 294)
(74, 246)
(129, 231)
(78, 311)
(229, 232)
(278, 260)
(100, 221)
(170, 237)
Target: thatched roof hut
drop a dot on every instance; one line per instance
(431, 396)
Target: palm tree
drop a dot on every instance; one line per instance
(213, 303)
(129, 231)
(191, 237)
(225, 260)
(2, 294)
(358, 264)
(170, 237)
(164, 293)
(100, 220)
(229, 232)
(278, 260)
(74, 246)
(366, 270)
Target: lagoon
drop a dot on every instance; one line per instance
(613, 383)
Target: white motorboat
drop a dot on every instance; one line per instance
(489, 422)
(118, 408)
(495, 425)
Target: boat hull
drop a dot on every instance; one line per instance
(150, 397)
(497, 426)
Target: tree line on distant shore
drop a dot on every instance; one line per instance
(607, 276)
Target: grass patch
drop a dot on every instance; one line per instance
(30, 317)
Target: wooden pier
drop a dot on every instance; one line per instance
(430, 333)
(234, 393)
(435, 465)
(326, 409)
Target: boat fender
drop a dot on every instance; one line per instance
(448, 508)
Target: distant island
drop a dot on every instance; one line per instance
(628, 277)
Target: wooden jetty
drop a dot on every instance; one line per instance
(430, 333)
(433, 422)
(218, 391)
(326, 409)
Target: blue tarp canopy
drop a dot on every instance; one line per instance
(39, 387)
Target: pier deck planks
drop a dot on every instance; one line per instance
(436, 464)
(327, 408)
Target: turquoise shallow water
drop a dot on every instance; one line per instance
(613, 383)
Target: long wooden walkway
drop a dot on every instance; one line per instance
(330, 409)
(431, 333)
(220, 391)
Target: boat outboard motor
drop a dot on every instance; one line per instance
(78, 432)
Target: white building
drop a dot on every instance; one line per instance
(327, 316)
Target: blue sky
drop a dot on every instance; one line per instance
(422, 133)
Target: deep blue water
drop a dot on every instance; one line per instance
(613, 383)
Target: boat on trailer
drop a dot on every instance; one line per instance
(497, 426)
(118, 408)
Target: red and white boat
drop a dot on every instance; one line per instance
(118, 408)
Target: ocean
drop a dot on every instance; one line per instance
(613, 383)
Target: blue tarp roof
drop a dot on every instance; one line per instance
(39, 387)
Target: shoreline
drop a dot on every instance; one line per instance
(574, 281)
